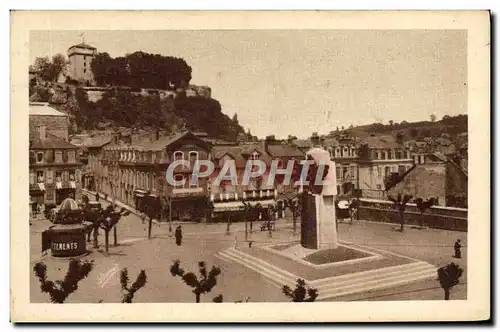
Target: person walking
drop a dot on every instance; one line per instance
(458, 251)
(178, 235)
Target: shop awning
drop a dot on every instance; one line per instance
(58, 185)
(264, 203)
(41, 186)
(140, 193)
(228, 206)
(72, 184)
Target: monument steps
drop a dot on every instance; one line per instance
(274, 275)
(367, 275)
(396, 278)
(337, 286)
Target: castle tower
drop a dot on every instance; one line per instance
(80, 57)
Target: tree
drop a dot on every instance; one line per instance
(109, 219)
(391, 123)
(58, 66)
(422, 206)
(433, 117)
(129, 292)
(413, 132)
(301, 293)
(353, 207)
(43, 66)
(449, 276)
(235, 118)
(400, 203)
(293, 204)
(202, 284)
(59, 290)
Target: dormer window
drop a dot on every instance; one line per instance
(193, 156)
(254, 156)
(39, 157)
(58, 157)
(178, 155)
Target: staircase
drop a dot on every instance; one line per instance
(332, 287)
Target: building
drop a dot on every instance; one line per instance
(437, 177)
(343, 150)
(132, 168)
(80, 57)
(54, 168)
(90, 152)
(379, 159)
(55, 122)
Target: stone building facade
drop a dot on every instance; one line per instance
(55, 122)
(80, 57)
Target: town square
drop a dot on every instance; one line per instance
(286, 182)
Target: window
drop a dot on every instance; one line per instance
(193, 156)
(178, 155)
(58, 176)
(58, 157)
(84, 70)
(179, 177)
(39, 157)
(398, 154)
(32, 178)
(339, 173)
(379, 171)
(72, 175)
(153, 183)
(39, 176)
(345, 172)
(337, 152)
(353, 170)
(389, 155)
(71, 157)
(387, 171)
(401, 169)
(255, 155)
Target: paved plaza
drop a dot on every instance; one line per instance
(209, 243)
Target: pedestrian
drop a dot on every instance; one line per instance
(458, 252)
(178, 235)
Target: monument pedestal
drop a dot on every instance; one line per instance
(318, 224)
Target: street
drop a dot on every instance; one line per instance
(201, 242)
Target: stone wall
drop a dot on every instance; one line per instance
(435, 217)
(427, 180)
(56, 125)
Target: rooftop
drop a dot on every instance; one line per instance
(44, 109)
(83, 45)
(381, 142)
(51, 142)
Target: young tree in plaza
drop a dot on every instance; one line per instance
(204, 283)
(301, 293)
(293, 204)
(449, 276)
(400, 203)
(109, 219)
(129, 292)
(422, 206)
(59, 290)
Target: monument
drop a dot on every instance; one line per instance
(318, 220)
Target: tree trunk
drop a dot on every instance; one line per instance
(446, 293)
(150, 225)
(294, 223)
(106, 239)
(251, 225)
(228, 225)
(246, 230)
(96, 240)
(115, 236)
(402, 220)
(197, 297)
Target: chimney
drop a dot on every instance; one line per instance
(41, 133)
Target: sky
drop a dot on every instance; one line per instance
(282, 82)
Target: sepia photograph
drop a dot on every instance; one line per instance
(251, 165)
